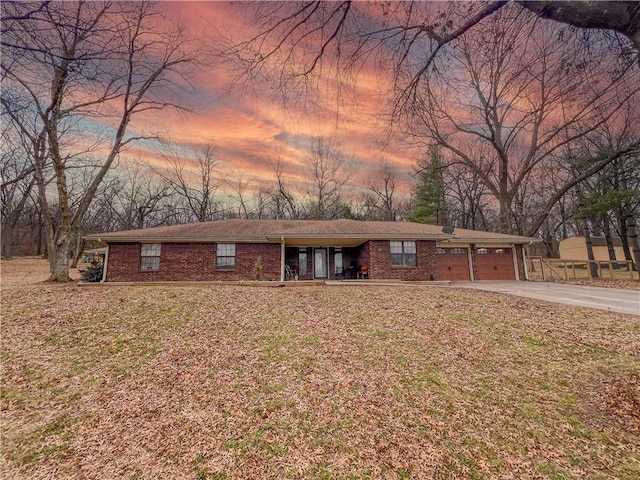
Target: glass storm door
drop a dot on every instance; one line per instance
(320, 263)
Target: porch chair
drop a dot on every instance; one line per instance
(363, 272)
(290, 273)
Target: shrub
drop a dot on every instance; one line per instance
(258, 269)
(93, 272)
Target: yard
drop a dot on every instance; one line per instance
(347, 382)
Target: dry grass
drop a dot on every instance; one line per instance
(616, 278)
(225, 382)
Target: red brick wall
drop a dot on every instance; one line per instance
(191, 261)
(197, 262)
(379, 254)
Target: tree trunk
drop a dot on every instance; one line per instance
(633, 237)
(39, 247)
(548, 238)
(505, 215)
(624, 233)
(606, 229)
(77, 251)
(593, 268)
(59, 260)
(7, 237)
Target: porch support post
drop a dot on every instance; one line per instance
(104, 265)
(282, 258)
(515, 259)
(524, 263)
(470, 258)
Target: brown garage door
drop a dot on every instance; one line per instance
(495, 264)
(453, 264)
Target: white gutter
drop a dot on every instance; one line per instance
(470, 258)
(524, 262)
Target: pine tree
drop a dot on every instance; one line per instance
(429, 204)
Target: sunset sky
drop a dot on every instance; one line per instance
(250, 123)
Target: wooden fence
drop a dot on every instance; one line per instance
(555, 268)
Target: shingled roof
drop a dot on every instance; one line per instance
(273, 230)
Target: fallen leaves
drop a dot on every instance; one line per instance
(322, 382)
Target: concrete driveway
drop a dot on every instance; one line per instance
(611, 299)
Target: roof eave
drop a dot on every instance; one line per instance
(519, 240)
(164, 239)
(368, 236)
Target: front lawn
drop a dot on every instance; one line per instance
(347, 382)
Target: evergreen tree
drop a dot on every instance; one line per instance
(429, 205)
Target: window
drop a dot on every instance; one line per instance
(440, 251)
(338, 262)
(482, 251)
(150, 256)
(458, 251)
(302, 261)
(403, 254)
(226, 256)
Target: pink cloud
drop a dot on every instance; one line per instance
(250, 128)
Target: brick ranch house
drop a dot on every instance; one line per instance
(309, 250)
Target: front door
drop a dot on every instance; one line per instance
(320, 263)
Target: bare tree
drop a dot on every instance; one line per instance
(193, 174)
(525, 94)
(282, 201)
(380, 201)
(297, 39)
(328, 171)
(16, 177)
(241, 196)
(137, 199)
(468, 200)
(76, 61)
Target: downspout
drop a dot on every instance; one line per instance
(104, 265)
(282, 257)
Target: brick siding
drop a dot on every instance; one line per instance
(191, 262)
(379, 255)
(197, 262)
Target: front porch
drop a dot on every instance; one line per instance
(325, 263)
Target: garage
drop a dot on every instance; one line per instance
(453, 264)
(495, 264)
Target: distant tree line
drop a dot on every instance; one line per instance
(525, 126)
(192, 188)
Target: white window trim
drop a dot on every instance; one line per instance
(218, 256)
(142, 245)
(403, 253)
